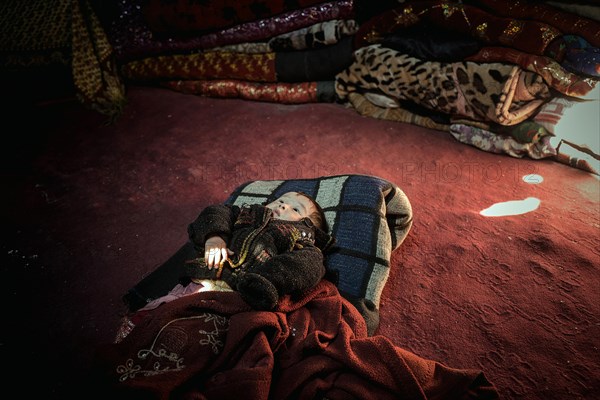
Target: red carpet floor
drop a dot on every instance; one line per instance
(90, 209)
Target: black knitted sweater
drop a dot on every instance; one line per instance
(272, 257)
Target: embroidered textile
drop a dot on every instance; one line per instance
(551, 71)
(530, 36)
(132, 38)
(207, 65)
(316, 347)
(184, 16)
(566, 22)
(284, 93)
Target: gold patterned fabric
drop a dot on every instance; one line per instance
(206, 65)
(284, 93)
(39, 33)
(552, 72)
(34, 33)
(566, 22)
(526, 35)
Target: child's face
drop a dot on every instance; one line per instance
(291, 206)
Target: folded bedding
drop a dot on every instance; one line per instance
(531, 28)
(491, 92)
(133, 39)
(554, 75)
(496, 142)
(193, 17)
(549, 13)
(487, 69)
(283, 93)
(320, 64)
(212, 345)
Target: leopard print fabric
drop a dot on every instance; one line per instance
(481, 92)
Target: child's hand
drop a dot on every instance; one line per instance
(215, 252)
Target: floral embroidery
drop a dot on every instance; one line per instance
(213, 337)
(170, 335)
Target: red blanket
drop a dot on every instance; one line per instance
(213, 346)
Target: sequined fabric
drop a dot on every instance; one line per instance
(527, 35)
(184, 16)
(567, 23)
(132, 38)
(552, 72)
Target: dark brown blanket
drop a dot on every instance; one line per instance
(211, 345)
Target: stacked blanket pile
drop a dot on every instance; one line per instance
(256, 50)
(489, 71)
(496, 75)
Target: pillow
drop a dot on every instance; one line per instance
(369, 218)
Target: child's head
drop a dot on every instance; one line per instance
(294, 206)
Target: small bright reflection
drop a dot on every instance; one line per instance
(513, 207)
(533, 179)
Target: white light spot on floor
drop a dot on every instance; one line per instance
(533, 179)
(513, 207)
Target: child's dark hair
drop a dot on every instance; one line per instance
(318, 216)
